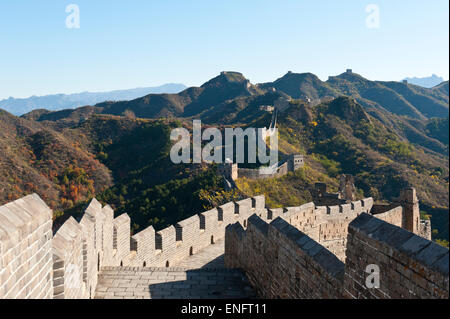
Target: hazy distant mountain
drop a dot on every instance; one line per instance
(65, 101)
(388, 135)
(396, 97)
(227, 86)
(230, 96)
(427, 82)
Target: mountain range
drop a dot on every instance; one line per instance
(389, 135)
(427, 82)
(231, 90)
(63, 101)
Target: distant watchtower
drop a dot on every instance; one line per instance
(228, 169)
(349, 71)
(295, 161)
(347, 188)
(411, 217)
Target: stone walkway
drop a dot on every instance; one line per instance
(172, 283)
(210, 257)
(200, 276)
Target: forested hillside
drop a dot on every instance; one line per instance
(388, 135)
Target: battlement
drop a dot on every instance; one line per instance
(325, 224)
(287, 251)
(34, 263)
(26, 266)
(173, 244)
(283, 262)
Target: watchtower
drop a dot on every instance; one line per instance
(295, 161)
(347, 188)
(228, 169)
(411, 213)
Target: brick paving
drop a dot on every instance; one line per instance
(202, 275)
(210, 257)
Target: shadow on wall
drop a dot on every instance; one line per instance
(218, 262)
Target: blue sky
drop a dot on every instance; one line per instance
(136, 43)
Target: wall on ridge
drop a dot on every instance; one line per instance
(26, 249)
(171, 245)
(325, 224)
(256, 173)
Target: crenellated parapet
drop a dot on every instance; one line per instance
(26, 264)
(69, 254)
(173, 244)
(383, 261)
(121, 239)
(282, 262)
(325, 224)
(35, 263)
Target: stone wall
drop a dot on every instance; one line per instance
(410, 266)
(325, 224)
(81, 248)
(322, 197)
(68, 255)
(26, 249)
(392, 214)
(171, 245)
(283, 262)
(121, 239)
(290, 164)
(425, 229)
(34, 263)
(258, 173)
